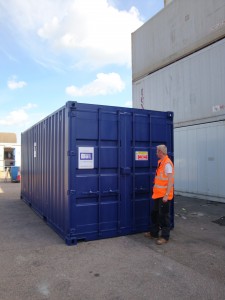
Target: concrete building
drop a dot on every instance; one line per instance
(178, 64)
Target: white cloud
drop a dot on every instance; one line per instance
(29, 106)
(14, 84)
(104, 84)
(17, 117)
(49, 28)
(91, 33)
(128, 104)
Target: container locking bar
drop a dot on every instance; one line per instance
(141, 190)
(91, 193)
(111, 192)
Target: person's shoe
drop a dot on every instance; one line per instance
(148, 235)
(161, 241)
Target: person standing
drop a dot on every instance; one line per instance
(163, 192)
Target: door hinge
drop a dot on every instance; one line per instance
(71, 153)
(71, 192)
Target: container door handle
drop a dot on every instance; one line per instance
(141, 189)
(91, 193)
(110, 192)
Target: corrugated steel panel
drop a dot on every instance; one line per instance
(88, 169)
(199, 165)
(193, 88)
(175, 32)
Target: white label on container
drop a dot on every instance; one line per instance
(141, 155)
(86, 158)
(35, 149)
(219, 107)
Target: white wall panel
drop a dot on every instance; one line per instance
(18, 155)
(199, 162)
(2, 158)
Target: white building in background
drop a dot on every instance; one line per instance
(10, 151)
(178, 64)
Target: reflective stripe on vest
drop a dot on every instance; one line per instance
(161, 180)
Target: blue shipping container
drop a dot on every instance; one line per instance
(88, 169)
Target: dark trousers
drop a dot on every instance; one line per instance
(160, 219)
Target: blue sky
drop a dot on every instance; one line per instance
(53, 51)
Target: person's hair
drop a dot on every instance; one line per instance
(162, 148)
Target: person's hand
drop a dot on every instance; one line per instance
(165, 198)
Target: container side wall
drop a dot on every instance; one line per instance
(178, 30)
(44, 160)
(193, 88)
(198, 152)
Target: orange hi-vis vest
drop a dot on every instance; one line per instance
(161, 180)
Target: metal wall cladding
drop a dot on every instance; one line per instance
(178, 30)
(88, 169)
(44, 169)
(198, 154)
(193, 88)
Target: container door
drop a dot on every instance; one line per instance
(148, 130)
(112, 165)
(136, 177)
(142, 176)
(95, 174)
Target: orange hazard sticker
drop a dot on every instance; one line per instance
(141, 155)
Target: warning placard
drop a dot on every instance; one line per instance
(141, 155)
